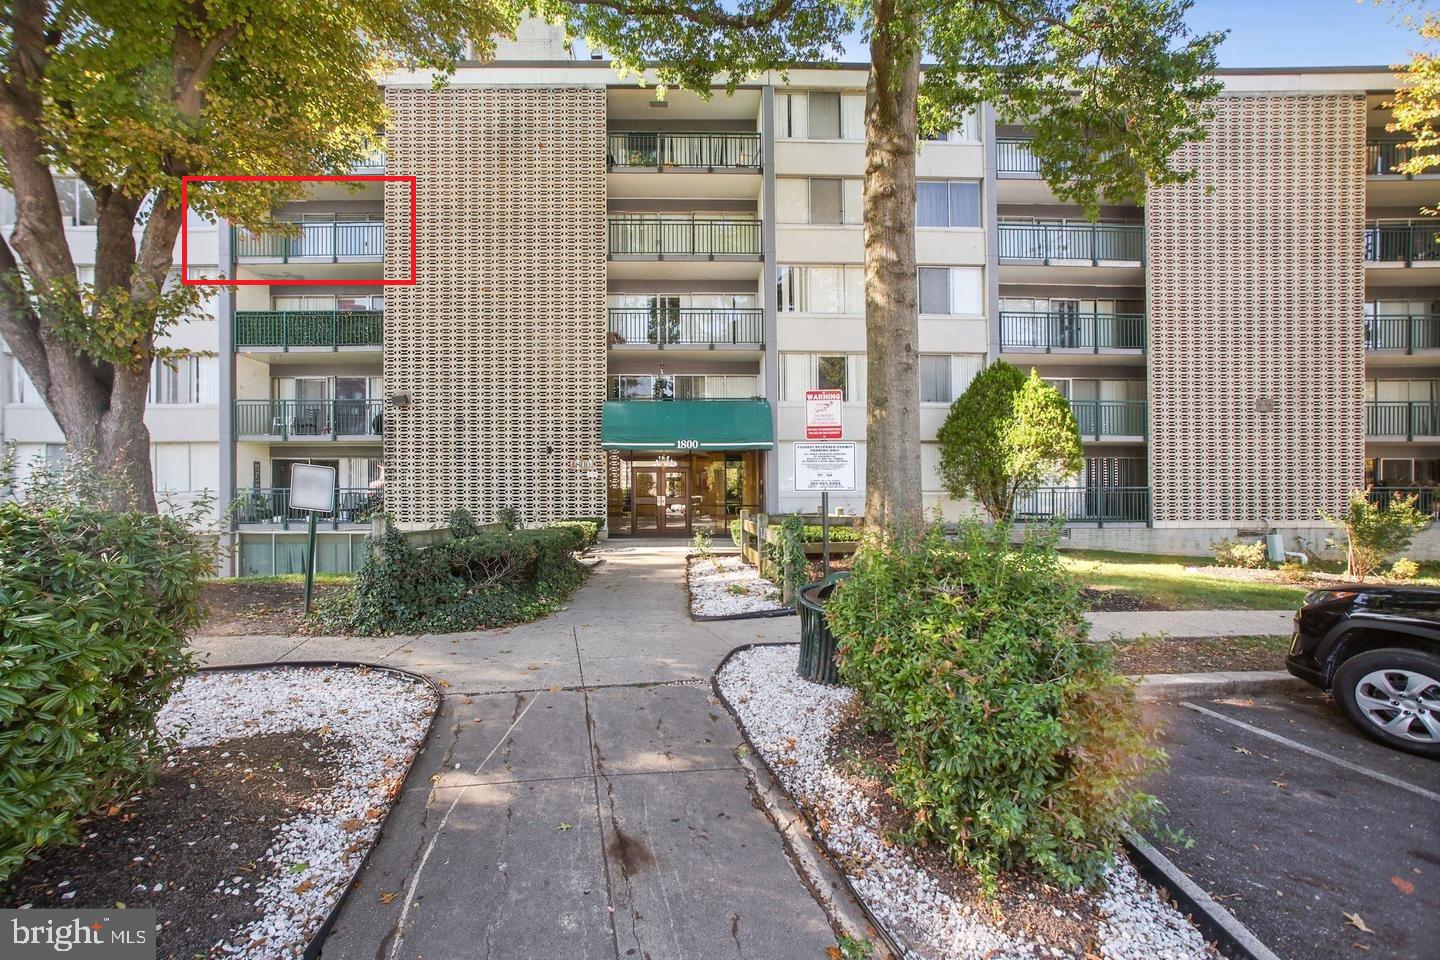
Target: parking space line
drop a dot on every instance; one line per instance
(1303, 748)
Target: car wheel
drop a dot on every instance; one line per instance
(1393, 695)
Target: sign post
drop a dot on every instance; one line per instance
(824, 467)
(312, 489)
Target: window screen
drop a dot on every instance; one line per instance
(934, 290)
(825, 202)
(935, 379)
(824, 116)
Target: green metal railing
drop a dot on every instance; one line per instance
(1426, 498)
(1099, 505)
(1099, 419)
(1085, 242)
(687, 325)
(705, 151)
(271, 505)
(332, 240)
(309, 328)
(1013, 155)
(1047, 330)
(310, 419)
(1405, 243)
(682, 237)
(1403, 333)
(1402, 418)
(1383, 156)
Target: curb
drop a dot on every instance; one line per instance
(827, 882)
(317, 939)
(1218, 925)
(1178, 686)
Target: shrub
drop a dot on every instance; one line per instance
(736, 532)
(1374, 532)
(462, 524)
(509, 518)
(490, 579)
(587, 528)
(1017, 744)
(837, 534)
(703, 544)
(1403, 569)
(791, 567)
(94, 610)
(1239, 553)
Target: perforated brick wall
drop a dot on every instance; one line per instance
(1255, 285)
(499, 350)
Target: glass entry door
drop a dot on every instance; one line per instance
(675, 500)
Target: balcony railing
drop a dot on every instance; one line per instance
(1100, 505)
(1407, 334)
(1048, 330)
(1383, 156)
(702, 151)
(1427, 499)
(1402, 418)
(1102, 419)
(1404, 243)
(309, 419)
(373, 162)
(1092, 243)
(682, 386)
(271, 505)
(683, 237)
(686, 326)
(309, 328)
(1013, 155)
(332, 240)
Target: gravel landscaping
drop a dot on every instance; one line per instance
(927, 905)
(258, 820)
(723, 585)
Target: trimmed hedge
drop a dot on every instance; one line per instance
(486, 579)
(588, 527)
(94, 611)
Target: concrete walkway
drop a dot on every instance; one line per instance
(1192, 623)
(580, 796)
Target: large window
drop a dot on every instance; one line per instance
(820, 289)
(952, 291)
(947, 203)
(944, 376)
(809, 371)
(830, 372)
(824, 115)
(183, 380)
(820, 115)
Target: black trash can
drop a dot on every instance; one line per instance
(817, 643)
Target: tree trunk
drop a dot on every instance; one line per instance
(893, 504)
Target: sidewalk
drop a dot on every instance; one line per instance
(1192, 623)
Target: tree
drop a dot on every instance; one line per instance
(131, 95)
(1110, 88)
(1375, 532)
(1416, 105)
(1006, 436)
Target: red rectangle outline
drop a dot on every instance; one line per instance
(360, 178)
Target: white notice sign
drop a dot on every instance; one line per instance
(312, 487)
(825, 466)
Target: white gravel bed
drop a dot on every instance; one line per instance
(372, 721)
(790, 721)
(723, 585)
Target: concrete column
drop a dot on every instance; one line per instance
(992, 232)
(767, 281)
(225, 437)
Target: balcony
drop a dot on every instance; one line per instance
(662, 238)
(1402, 243)
(310, 419)
(1099, 505)
(1048, 331)
(683, 386)
(1383, 156)
(335, 241)
(1110, 419)
(1402, 419)
(371, 163)
(1427, 499)
(652, 150)
(271, 506)
(1071, 243)
(308, 329)
(1402, 334)
(685, 327)
(1013, 156)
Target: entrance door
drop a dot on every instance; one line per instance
(647, 500)
(675, 501)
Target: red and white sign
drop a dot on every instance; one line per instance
(824, 411)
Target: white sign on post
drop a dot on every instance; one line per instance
(312, 487)
(824, 411)
(825, 466)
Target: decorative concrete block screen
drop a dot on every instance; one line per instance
(495, 359)
(1256, 291)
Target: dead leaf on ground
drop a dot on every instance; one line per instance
(388, 897)
(1240, 750)
(1358, 922)
(303, 885)
(1403, 885)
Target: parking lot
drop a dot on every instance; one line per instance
(1322, 842)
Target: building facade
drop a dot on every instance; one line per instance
(622, 299)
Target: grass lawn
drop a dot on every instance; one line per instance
(1162, 580)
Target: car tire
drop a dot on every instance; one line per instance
(1393, 695)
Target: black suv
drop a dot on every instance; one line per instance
(1377, 650)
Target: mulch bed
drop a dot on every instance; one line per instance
(205, 823)
(1116, 601)
(1156, 655)
(235, 608)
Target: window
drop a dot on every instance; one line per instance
(935, 379)
(934, 290)
(830, 373)
(952, 291)
(967, 131)
(947, 203)
(824, 115)
(183, 380)
(820, 289)
(826, 202)
(22, 389)
(807, 371)
(790, 289)
(77, 203)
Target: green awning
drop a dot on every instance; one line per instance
(687, 425)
